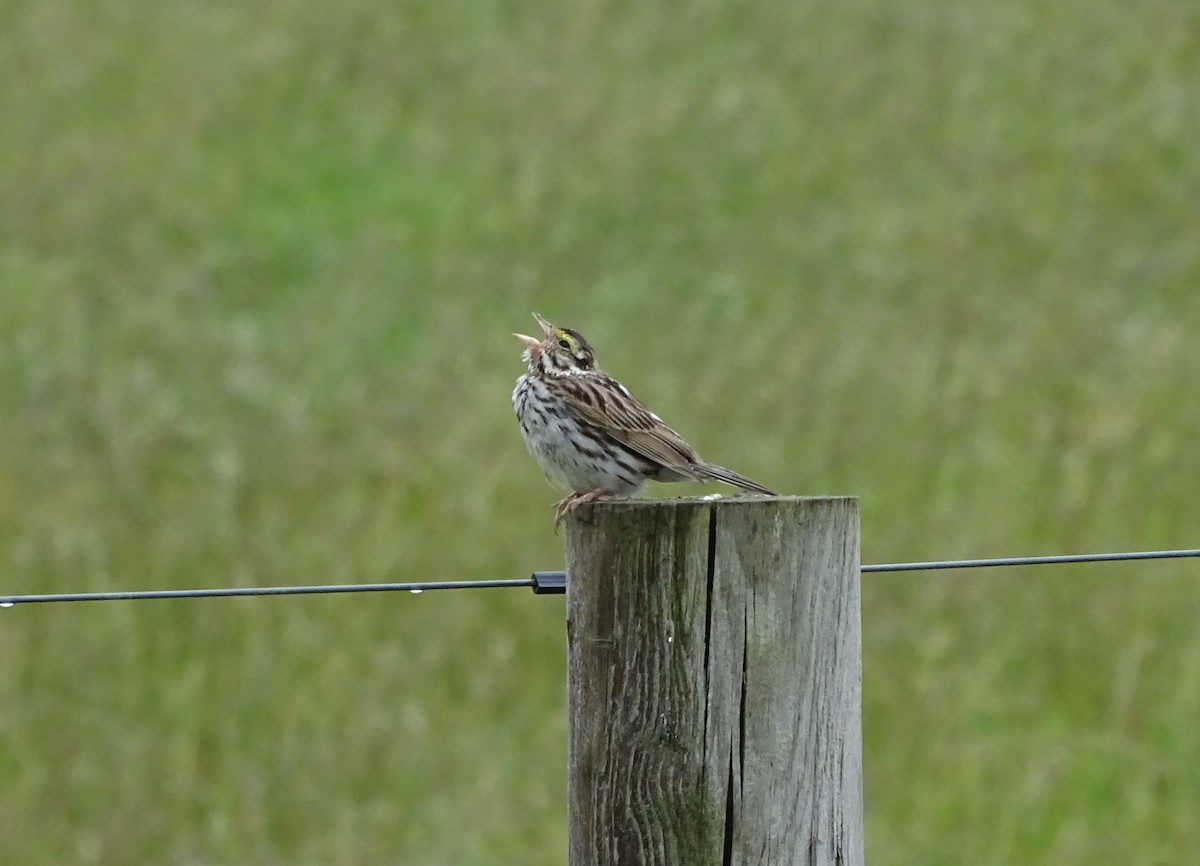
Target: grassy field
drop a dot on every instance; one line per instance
(259, 268)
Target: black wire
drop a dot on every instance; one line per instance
(554, 582)
(414, 588)
(1032, 560)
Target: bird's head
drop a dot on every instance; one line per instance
(561, 351)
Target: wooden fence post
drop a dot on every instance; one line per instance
(715, 683)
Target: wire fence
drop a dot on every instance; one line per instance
(555, 582)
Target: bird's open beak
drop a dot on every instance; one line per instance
(533, 344)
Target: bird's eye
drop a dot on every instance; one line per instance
(564, 344)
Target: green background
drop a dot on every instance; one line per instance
(259, 265)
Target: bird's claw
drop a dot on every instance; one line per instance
(564, 507)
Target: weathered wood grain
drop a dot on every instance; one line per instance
(714, 679)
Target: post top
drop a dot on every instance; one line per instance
(715, 499)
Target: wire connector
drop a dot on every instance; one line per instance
(549, 582)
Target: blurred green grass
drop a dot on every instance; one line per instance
(260, 265)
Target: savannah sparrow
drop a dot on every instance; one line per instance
(589, 434)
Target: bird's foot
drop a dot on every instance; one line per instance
(564, 507)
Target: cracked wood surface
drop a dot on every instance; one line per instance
(714, 680)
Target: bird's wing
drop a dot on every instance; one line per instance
(604, 403)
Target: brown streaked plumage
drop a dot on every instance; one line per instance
(590, 434)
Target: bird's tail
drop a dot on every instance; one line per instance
(720, 473)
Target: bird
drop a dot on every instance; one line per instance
(590, 435)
